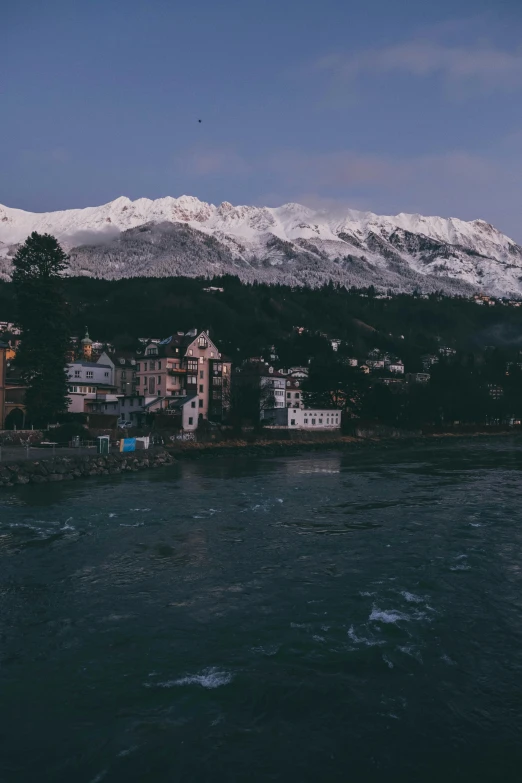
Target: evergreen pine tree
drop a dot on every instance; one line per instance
(43, 316)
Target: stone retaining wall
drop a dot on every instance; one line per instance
(69, 468)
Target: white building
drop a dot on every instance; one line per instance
(395, 367)
(88, 380)
(294, 394)
(303, 419)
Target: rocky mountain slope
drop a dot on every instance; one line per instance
(291, 244)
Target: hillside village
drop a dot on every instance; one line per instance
(184, 382)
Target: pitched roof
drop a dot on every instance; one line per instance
(179, 402)
(90, 364)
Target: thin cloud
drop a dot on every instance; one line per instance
(479, 65)
(210, 161)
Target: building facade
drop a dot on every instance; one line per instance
(185, 365)
(294, 394)
(303, 419)
(88, 380)
(124, 372)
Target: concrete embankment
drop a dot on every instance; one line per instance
(267, 448)
(70, 468)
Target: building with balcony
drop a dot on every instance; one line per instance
(185, 365)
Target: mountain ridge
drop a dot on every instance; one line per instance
(289, 244)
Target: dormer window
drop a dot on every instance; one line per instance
(152, 351)
(202, 342)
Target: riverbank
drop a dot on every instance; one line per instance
(69, 468)
(271, 448)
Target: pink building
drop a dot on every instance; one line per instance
(185, 366)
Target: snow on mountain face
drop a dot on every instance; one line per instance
(288, 244)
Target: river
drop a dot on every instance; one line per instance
(351, 616)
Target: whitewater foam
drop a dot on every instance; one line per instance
(209, 678)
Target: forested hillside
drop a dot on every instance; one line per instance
(246, 319)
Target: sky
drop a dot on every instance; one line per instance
(383, 105)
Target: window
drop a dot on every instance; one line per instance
(217, 381)
(218, 367)
(320, 421)
(313, 421)
(77, 373)
(144, 366)
(211, 354)
(201, 403)
(193, 404)
(201, 359)
(152, 351)
(123, 375)
(131, 402)
(202, 342)
(106, 374)
(159, 380)
(225, 369)
(192, 380)
(297, 395)
(306, 421)
(152, 385)
(137, 381)
(138, 366)
(159, 365)
(292, 421)
(152, 365)
(191, 420)
(190, 352)
(288, 394)
(202, 374)
(89, 374)
(201, 388)
(192, 365)
(217, 395)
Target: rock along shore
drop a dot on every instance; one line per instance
(70, 468)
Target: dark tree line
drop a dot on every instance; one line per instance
(43, 316)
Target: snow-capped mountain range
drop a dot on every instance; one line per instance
(290, 244)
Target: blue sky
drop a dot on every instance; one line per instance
(388, 105)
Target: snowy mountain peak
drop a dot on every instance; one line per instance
(291, 243)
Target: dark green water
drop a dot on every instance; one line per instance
(333, 617)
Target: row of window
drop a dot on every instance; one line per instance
(297, 395)
(321, 421)
(89, 374)
(82, 389)
(192, 366)
(151, 366)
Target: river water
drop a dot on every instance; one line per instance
(350, 616)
